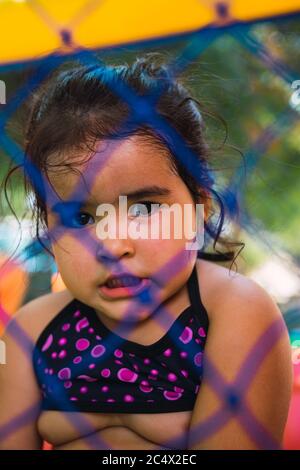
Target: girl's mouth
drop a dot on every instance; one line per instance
(124, 286)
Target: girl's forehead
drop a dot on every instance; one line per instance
(118, 167)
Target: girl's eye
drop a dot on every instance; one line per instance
(143, 209)
(70, 215)
(80, 219)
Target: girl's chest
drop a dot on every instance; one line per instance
(115, 431)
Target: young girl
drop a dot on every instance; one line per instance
(150, 345)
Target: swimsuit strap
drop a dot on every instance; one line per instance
(195, 297)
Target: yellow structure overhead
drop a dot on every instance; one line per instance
(31, 29)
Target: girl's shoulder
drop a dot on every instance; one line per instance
(228, 294)
(247, 361)
(36, 314)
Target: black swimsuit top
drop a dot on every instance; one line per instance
(81, 365)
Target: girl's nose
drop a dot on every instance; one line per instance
(112, 251)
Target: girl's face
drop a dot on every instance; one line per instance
(128, 167)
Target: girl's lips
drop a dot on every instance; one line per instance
(124, 292)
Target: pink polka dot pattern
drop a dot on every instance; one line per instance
(169, 395)
(128, 398)
(98, 350)
(168, 352)
(198, 359)
(83, 323)
(172, 377)
(88, 378)
(145, 387)
(127, 375)
(48, 343)
(78, 359)
(186, 335)
(62, 354)
(82, 344)
(201, 332)
(118, 353)
(105, 373)
(64, 374)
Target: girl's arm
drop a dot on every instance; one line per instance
(19, 394)
(248, 342)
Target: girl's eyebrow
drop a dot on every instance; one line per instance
(147, 191)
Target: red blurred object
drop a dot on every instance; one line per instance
(14, 282)
(291, 439)
(47, 446)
